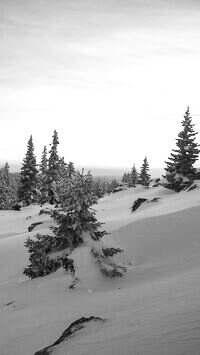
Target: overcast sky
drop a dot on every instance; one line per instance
(113, 77)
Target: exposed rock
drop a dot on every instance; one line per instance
(192, 187)
(33, 225)
(117, 189)
(73, 328)
(16, 207)
(155, 199)
(9, 303)
(45, 211)
(137, 203)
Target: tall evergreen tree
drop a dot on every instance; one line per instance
(62, 181)
(43, 171)
(3, 190)
(144, 177)
(44, 162)
(6, 171)
(53, 170)
(28, 192)
(180, 170)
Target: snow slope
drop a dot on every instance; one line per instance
(154, 309)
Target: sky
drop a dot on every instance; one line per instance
(113, 77)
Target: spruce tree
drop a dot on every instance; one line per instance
(53, 170)
(44, 162)
(43, 171)
(8, 188)
(133, 176)
(128, 178)
(62, 180)
(144, 177)
(180, 171)
(113, 184)
(3, 191)
(99, 188)
(124, 177)
(74, 225)
(6, 171)
(172, 181)
(28, 192)
(70, 170)
(187, 152)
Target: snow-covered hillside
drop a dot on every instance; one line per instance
(152, 310)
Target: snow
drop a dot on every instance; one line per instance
(152, 310)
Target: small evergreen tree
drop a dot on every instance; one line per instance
(180, 171)
(104, 187)
(75, 224)
(133, 176)
(28, 192)
(124, 177)
(113, 184)
(144, 177)
(100, 188)
(128, 178)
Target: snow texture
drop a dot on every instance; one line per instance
(152, 310)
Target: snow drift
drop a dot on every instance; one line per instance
(153, 309)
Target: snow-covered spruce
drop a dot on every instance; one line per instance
(8, 189)
(43, 169)
(180, 171)
(144, 177)
(133, 177)
(28, 185)
(53, 170)
(42, 261)
(75, 224)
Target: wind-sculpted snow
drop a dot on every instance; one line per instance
(152, 310)
(74, 327)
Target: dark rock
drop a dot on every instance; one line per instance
(117, 189)
(73, 328)
(16, 207)
(137, 203)
(33, 225)
(155, 199)
(192, 187)
(45, 211)
(9, 303)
